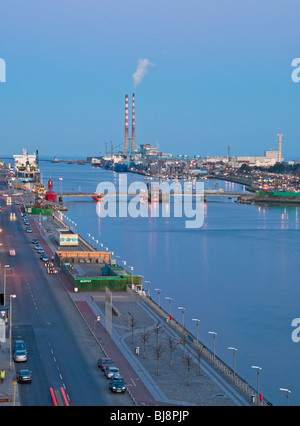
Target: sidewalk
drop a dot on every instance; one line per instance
(176, 385)
(7, 388)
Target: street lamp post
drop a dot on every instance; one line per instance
(287, 395)
(258, 369)
(182, 315)
(158, 292)
(214, 337)
(132, 286)
(197, 320)
(148, 282)
(4, 283)
(170, 301)
(234, 354)
(12, 296)
(61, 179)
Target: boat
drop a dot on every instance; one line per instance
(120, 167)
(97, 198)
(26, 167)
(96, 162)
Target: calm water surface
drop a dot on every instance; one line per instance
(238, 273)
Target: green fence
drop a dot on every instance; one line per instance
(114, 283)
(36, 210)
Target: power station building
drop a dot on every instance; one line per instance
(269, 158)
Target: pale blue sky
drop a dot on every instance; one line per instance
(221, 75)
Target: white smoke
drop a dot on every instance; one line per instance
(141, 71)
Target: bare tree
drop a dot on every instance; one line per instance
(199, 350)
(158, 351)
(188, 360)
(132, 322)
(172, 346)
(184, 341)
(145, 335)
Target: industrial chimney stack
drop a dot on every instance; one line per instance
(133, 124)
(279, 148)
(126, 124)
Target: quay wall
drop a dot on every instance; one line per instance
(205, 354)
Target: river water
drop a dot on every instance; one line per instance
(238, 273)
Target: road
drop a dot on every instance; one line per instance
(61, 349)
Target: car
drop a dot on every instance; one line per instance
(24, 376)
(41, 251)
(20, 355)
(38, 247)
(12, 252)
(28, 229)
(110, 371)
(19, 344)
(104, 362)
(117, 384)
(35, 241)
(44, 257)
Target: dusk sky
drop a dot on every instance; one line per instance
(219, 74)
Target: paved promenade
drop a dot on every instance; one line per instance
(169, 378)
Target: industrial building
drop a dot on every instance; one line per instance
(269, 158)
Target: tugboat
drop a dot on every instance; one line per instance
(97, 198)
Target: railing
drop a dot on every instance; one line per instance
(244, 388)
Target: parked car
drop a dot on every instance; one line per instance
(41, 251)
(104, 362)
(35, 241)
(110, 371)
(12, 252)
(38, 247)
(20, 355)
(28, 229)
(44, 258)
(19, 344)
(24, 376)
(117, 384)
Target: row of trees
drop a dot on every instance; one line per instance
(170, 344)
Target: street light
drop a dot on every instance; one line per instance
(287, 395)
(12, 296)
(214, 337)
(170, 300)
(196, 319)
(131, 267)
(258, 369)
(61, 179)
(148, 282)
(234, 352)
(158, 292)
(182, 315)
(4, 283)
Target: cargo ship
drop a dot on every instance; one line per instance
(120, 167)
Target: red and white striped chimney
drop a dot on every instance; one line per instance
(133, 124)
(126, 124)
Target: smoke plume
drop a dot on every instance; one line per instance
(141, 71)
